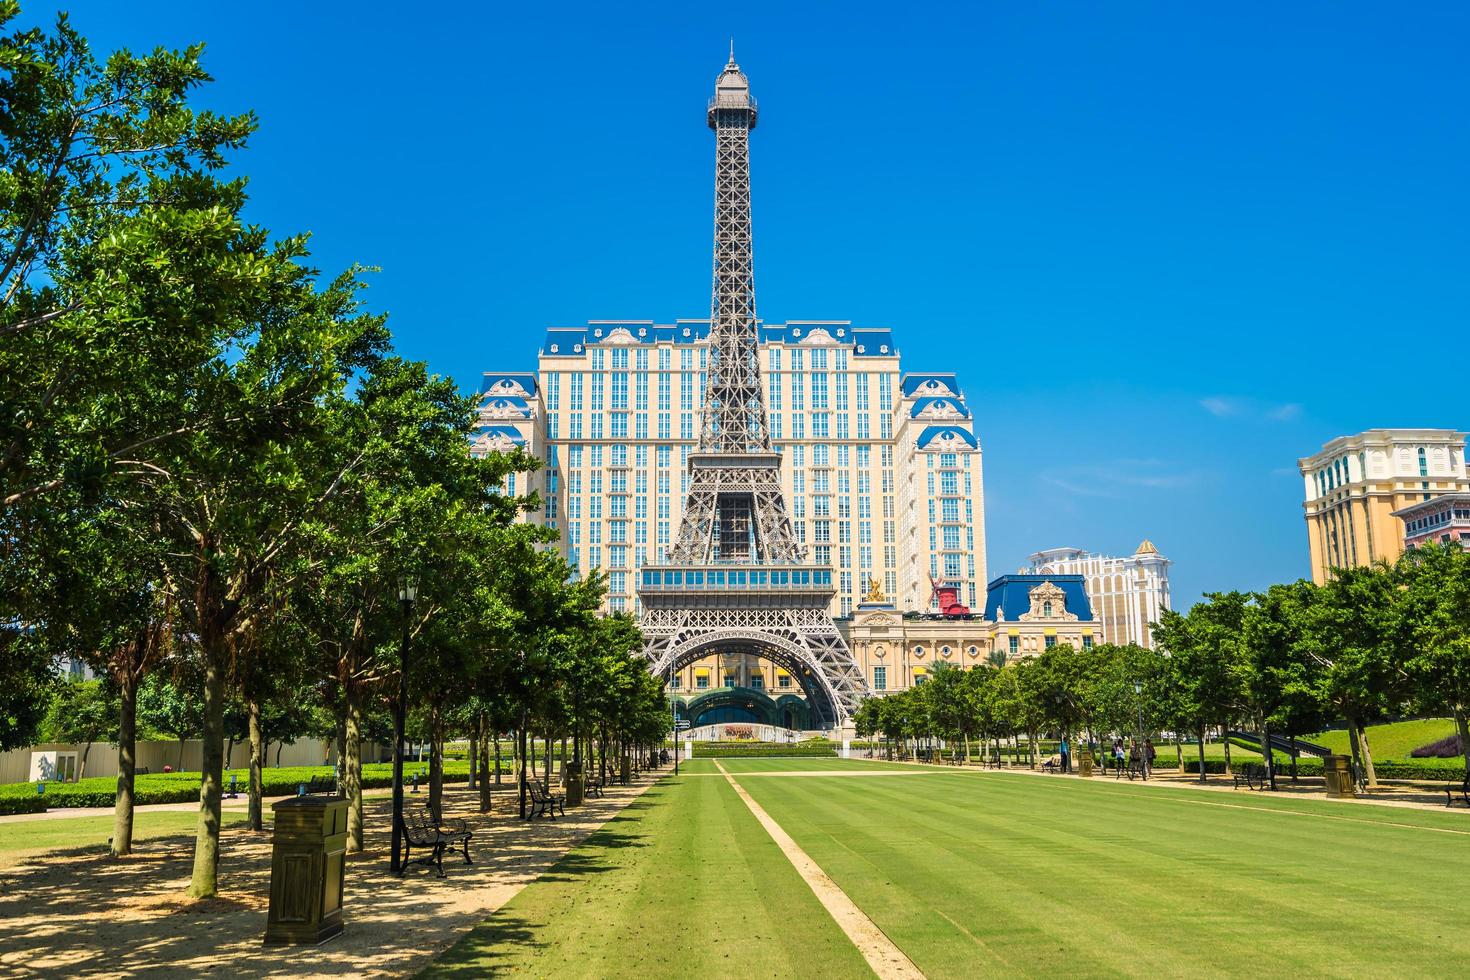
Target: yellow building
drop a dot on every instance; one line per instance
(1354, 485)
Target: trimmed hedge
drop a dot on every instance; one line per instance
(816, 748)
(22, 804)
(183, 787)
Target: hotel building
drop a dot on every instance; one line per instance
(1127, 594)
(1356, 487)
(881, 469)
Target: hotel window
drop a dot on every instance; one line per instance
(1015, 645)
(1051, 641)
(701, 680)
(1087, 641)
(880, 678)
(757, 682)
(783, 680)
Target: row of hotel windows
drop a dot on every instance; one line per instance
(621, 358)
(827, 390)
(821, 456)
(1340, 472)
(617, 426)
(756, 680)
(1435, 520)
(860, 559)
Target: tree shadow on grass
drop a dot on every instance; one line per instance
(502, 937)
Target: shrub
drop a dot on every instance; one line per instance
(1445, 748)
(815, 748)
(22, 804)
(183, 787)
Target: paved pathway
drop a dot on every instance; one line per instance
(92, 916)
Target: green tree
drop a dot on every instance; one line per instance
(1433, 611)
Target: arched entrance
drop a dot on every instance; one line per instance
(818, 704)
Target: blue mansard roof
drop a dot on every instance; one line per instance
(943, 406)
(930, 384)
(573, 341)
(1011, 594)
(947, 437)
(500, 431)
(503, 382)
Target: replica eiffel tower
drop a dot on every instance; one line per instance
(736, 580)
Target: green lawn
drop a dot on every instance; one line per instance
(684, 882)
(992, 874)
(18, 837)
(1393, 741)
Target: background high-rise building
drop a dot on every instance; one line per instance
(881, 470)
(1127, 594)
(1356, 483)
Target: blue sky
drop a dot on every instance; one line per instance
(1168, 249)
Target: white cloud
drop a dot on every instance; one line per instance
(1222, 407)
(1123, 478)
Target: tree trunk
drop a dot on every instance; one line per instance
(1268, 753)
(352, 771)
(521, 742)
(127, 749)
(482, 736)
(180, 766)
(279, 746)
(257, 764)
(1368, 771)
(82, 768)
(497, 757)
(1226, 740)
(436, 762)
(1464, 729)
(205, 880)
(1353, 747)
(1202, 753)
(474, 755)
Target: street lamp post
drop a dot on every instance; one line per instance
(674, 710)
(1142, 753)
(407, 593)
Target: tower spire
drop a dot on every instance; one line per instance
(734, 416)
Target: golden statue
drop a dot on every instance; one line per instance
(875, 591)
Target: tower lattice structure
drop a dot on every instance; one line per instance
(736, 580)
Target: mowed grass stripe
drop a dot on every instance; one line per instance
(1015, 874)
(684, 882)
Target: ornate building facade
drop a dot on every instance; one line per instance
(1356, 485)
(1127, 593)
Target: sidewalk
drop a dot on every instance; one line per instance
(89, 915)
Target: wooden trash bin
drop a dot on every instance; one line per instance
(308, 866)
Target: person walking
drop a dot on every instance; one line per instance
(1135, 757)
(1149, 754)
(1118, 754)
(1066, 752)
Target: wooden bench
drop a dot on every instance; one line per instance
(594, 787)
(543, 802)
(1054, 764)
(141, 772)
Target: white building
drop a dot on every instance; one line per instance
(1127, 594)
